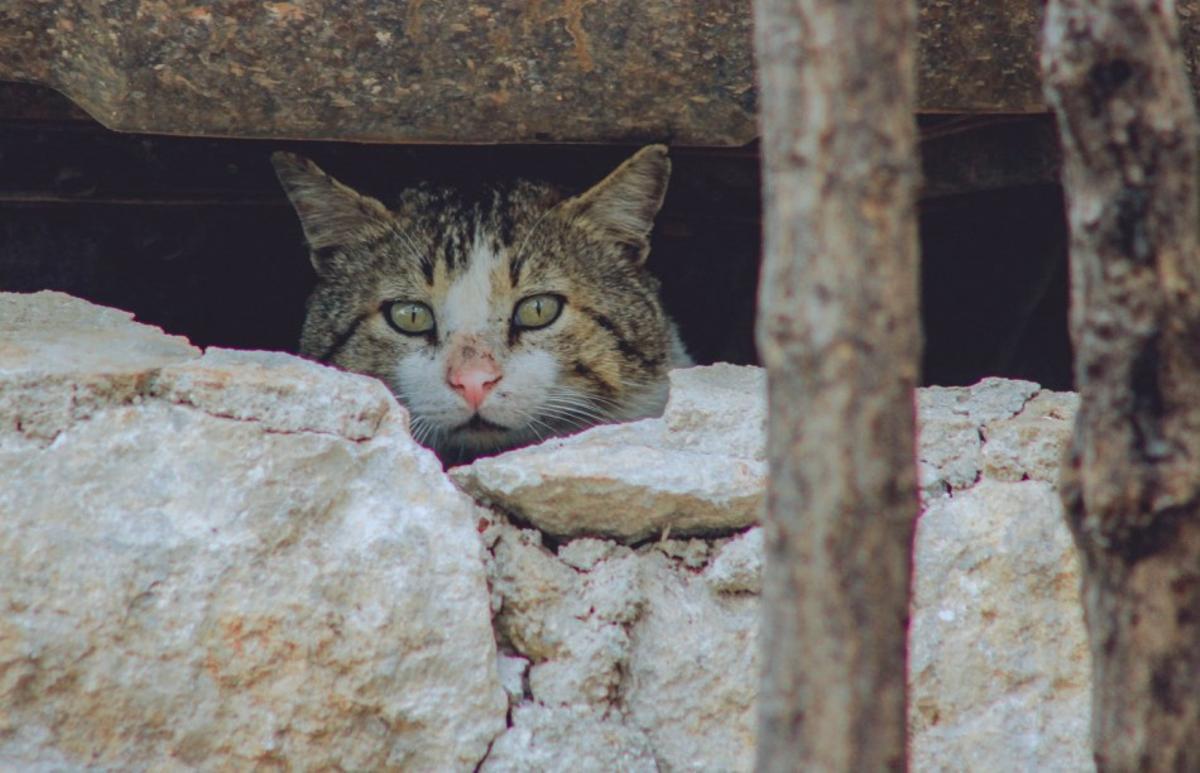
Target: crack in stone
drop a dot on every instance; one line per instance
(148, 386)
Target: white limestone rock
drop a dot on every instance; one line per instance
(948, 454)
(195, 575)
(738, 564)
(692, 553)
(999, 671)
(513, 671)
(693, 669)
(1031, 444)
(640, 646)
(62, 358)
(949, 420)
(241, 559)
(282, 392)
(697, 470)
(988, 400)
(584, 553)
(570, 739)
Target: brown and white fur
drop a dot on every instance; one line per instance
(478, 382)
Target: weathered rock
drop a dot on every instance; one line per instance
(999, 670)
(636, 648)
(652, 639)
(237, 560)
(465, 71)
(948, 453)
(697, 470)
(1030, 445)
(242, 559)
(61, 359)
(738, 564)
(513, 671)
(451, 71)
(692, 674)
(585, 553)
(950, 422)
(988, 400)
(281, 392)
(577, 738)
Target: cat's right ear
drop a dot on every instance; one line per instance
(333, 215)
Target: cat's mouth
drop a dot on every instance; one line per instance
(479, 424)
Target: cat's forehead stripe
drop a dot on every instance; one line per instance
(467, 302)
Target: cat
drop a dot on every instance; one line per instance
(498, 319)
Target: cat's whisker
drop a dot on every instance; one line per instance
(438, 250)
(535, 423)
(571, 422)
(572, 416)
(576, 407)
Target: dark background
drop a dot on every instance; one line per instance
(195, 236)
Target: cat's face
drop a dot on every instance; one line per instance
(498, 320)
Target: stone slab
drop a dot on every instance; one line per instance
(697, 470)
(466, 71)
(239, 560)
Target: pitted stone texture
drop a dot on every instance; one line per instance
(1031, 444)
(639, 644)
(467, 71)
(697, 470)
(185, 589)
(693, 669)
(988, 400)
(950, 423)
(737, 565)
(62, 358)
(241, 559)
(51, 333)
(570, 739)
(282, 392)
(450, 71)
(999, 666)
(570, 624)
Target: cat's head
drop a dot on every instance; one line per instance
(498, 319)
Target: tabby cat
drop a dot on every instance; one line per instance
(501, 318)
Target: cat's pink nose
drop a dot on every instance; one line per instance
(474, 380)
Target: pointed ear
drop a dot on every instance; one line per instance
(333, 215)
(622, 206)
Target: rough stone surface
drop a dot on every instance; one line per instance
(279, 392)
(407, 71)
(1030, 445)
(61, 359)
(235, 560)
(240, 559)
(639, 662)
(965, 431)
(465, 71)
(697, 470)
(569, 738)
(999, 668)
(693, 669)
(737, 565)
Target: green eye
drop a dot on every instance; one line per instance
(410, 317)
(537, 311)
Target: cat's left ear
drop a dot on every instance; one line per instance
(333, 215)
(622, 206)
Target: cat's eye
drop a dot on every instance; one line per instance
(409, 317)
(537, 311)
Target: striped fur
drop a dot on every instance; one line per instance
(471, 259)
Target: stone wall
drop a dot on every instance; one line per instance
(241, 558)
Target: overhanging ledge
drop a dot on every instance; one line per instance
(460, 71)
